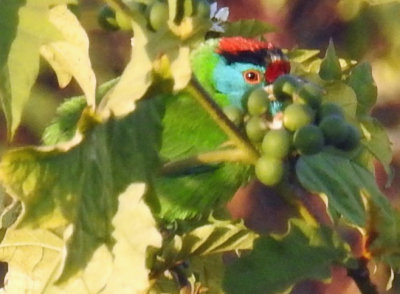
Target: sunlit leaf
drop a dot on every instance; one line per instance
(28, 27)
(108, 269)
(134, 82)
(70, 57)
(74, 185)
(278, 262)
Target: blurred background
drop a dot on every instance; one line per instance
(364, 30)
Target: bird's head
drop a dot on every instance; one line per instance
(232, 66)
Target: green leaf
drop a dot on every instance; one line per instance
(70, 57)
(27, 28)
(277, 263)
(377, 141)
(72, 187)
(107, 270)
(215, 237)
(209, 272)
(132, 220)
(249, 28)
(330, 67)
(363, 84)
(344, 183)
(65, 124)
(134, 81)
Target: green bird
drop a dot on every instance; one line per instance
(227, 68)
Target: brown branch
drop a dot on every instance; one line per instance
(361, 277)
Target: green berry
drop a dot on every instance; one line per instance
(256, 128)
(335, 129)
(277, 143)
(257, 102)
(309, 94)
(296, 116)
(352, 140)
(234, 114)
(106, 18)
(158, 15)
(269, 170)
(308, 139)
(285, 85)
(328, 109)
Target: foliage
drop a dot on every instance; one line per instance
(127, 193)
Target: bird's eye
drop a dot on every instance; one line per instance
(252, 76)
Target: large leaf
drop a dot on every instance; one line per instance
(278, 262)
(344, 182)
(70, 57)
(25, 27)
(215, 237)
(377, 141)
(73, 187)
(363, 84)
(107, 271)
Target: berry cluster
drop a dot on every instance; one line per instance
(293, 120)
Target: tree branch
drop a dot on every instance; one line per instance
(361, 277)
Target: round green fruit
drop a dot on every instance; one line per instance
(308, 139)
(158, 15)
(256, 128)
(234, 114)
(328, 109)
(297, 115)
(269, 170)
(107, 19)
(309, 94)
(335, 129)
(285, 85)
(277, 143)
(352, 140)
(257, 101)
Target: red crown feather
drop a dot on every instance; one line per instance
(234, 45)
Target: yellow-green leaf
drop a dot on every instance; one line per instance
(69, 57)
(27, 28)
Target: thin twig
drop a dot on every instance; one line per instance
(216, 113)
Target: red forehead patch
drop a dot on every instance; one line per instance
(235, 45)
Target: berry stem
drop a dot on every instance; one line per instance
(216, 113)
